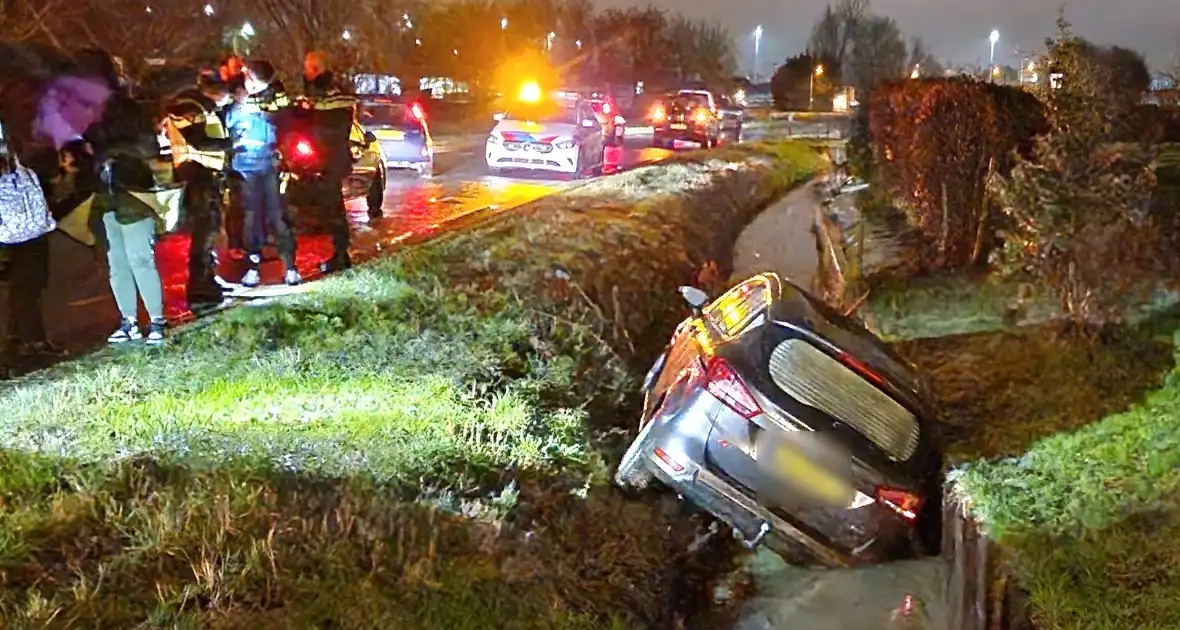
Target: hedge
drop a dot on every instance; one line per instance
(933, 142)
(412, 444)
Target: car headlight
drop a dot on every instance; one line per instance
(565, 144)
(494, 139)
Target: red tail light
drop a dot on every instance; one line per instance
(725, 384)
(858, 366)
(416, 110)
(303, 148)
(904, 503)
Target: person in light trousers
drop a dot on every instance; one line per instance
(124, 143)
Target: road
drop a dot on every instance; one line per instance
(80, 311)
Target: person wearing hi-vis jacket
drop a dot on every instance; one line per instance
(200, 144)
(255, 174)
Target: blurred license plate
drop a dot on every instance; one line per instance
(390, 134)
(679, 126)
(809, 477)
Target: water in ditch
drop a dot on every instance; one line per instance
(910, 595)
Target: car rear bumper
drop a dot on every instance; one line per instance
(556, 161)
(691, 133)
(406, 154)
(742, 513)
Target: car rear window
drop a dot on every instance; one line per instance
(385, 114)
(736, 310)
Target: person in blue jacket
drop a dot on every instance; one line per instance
(254, 170)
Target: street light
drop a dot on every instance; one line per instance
(247, 30)
(549, 40)
(818, 72)
(209, 10)
(916, 73)
(578, 43)
(346, 35)
(757, 49)
(994, 38)
(503, 24)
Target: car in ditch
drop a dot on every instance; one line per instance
(795, 425)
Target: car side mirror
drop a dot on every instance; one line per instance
(695, 297)
(370, 138)
(498, 116)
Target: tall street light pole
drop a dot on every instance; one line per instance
(817, 72)
(994, 39)
(757, 49)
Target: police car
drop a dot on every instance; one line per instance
(556, 132)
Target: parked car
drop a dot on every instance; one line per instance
(402, 133)
(552, 133)
(685, 117)
(794, 424)
(732, 116)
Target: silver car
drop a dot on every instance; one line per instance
(794, 424)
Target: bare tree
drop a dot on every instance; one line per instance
(920, 57)
(834, 35)
(879, 53)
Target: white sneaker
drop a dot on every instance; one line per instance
(155, 336)
(129, 331)
(251, 279)
(292, 278)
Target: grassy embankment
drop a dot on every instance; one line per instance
(1064, 457)
(415, 444)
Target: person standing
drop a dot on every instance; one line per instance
(251, 124)
(200, 143)
(124, 143)
(25, 224)
(335, 113)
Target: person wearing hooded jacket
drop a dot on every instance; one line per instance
(200, 144)
(252, 128)
(124, 142)
(335, 112)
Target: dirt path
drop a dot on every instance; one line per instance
(781, 239)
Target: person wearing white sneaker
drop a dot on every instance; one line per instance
(255, 185)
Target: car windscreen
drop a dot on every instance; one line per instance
(544, 112)
(695, 100)
(392, 114)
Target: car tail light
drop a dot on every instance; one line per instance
(664, 457)
(416, 110)
(903, 502)
(858, 366)
(725, 384)
(304, 149)
(658, 114)
(702, 116)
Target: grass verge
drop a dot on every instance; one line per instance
(1090, 518)
(413, 444)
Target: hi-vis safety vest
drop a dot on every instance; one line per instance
(213, 127)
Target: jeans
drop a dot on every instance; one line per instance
(131, 256)
(202, 204)
(263, 207)
(28, 272)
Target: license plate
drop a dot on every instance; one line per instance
(679, 126)
(800, 471)
(390, 134)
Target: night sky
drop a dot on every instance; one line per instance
(956, 30)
